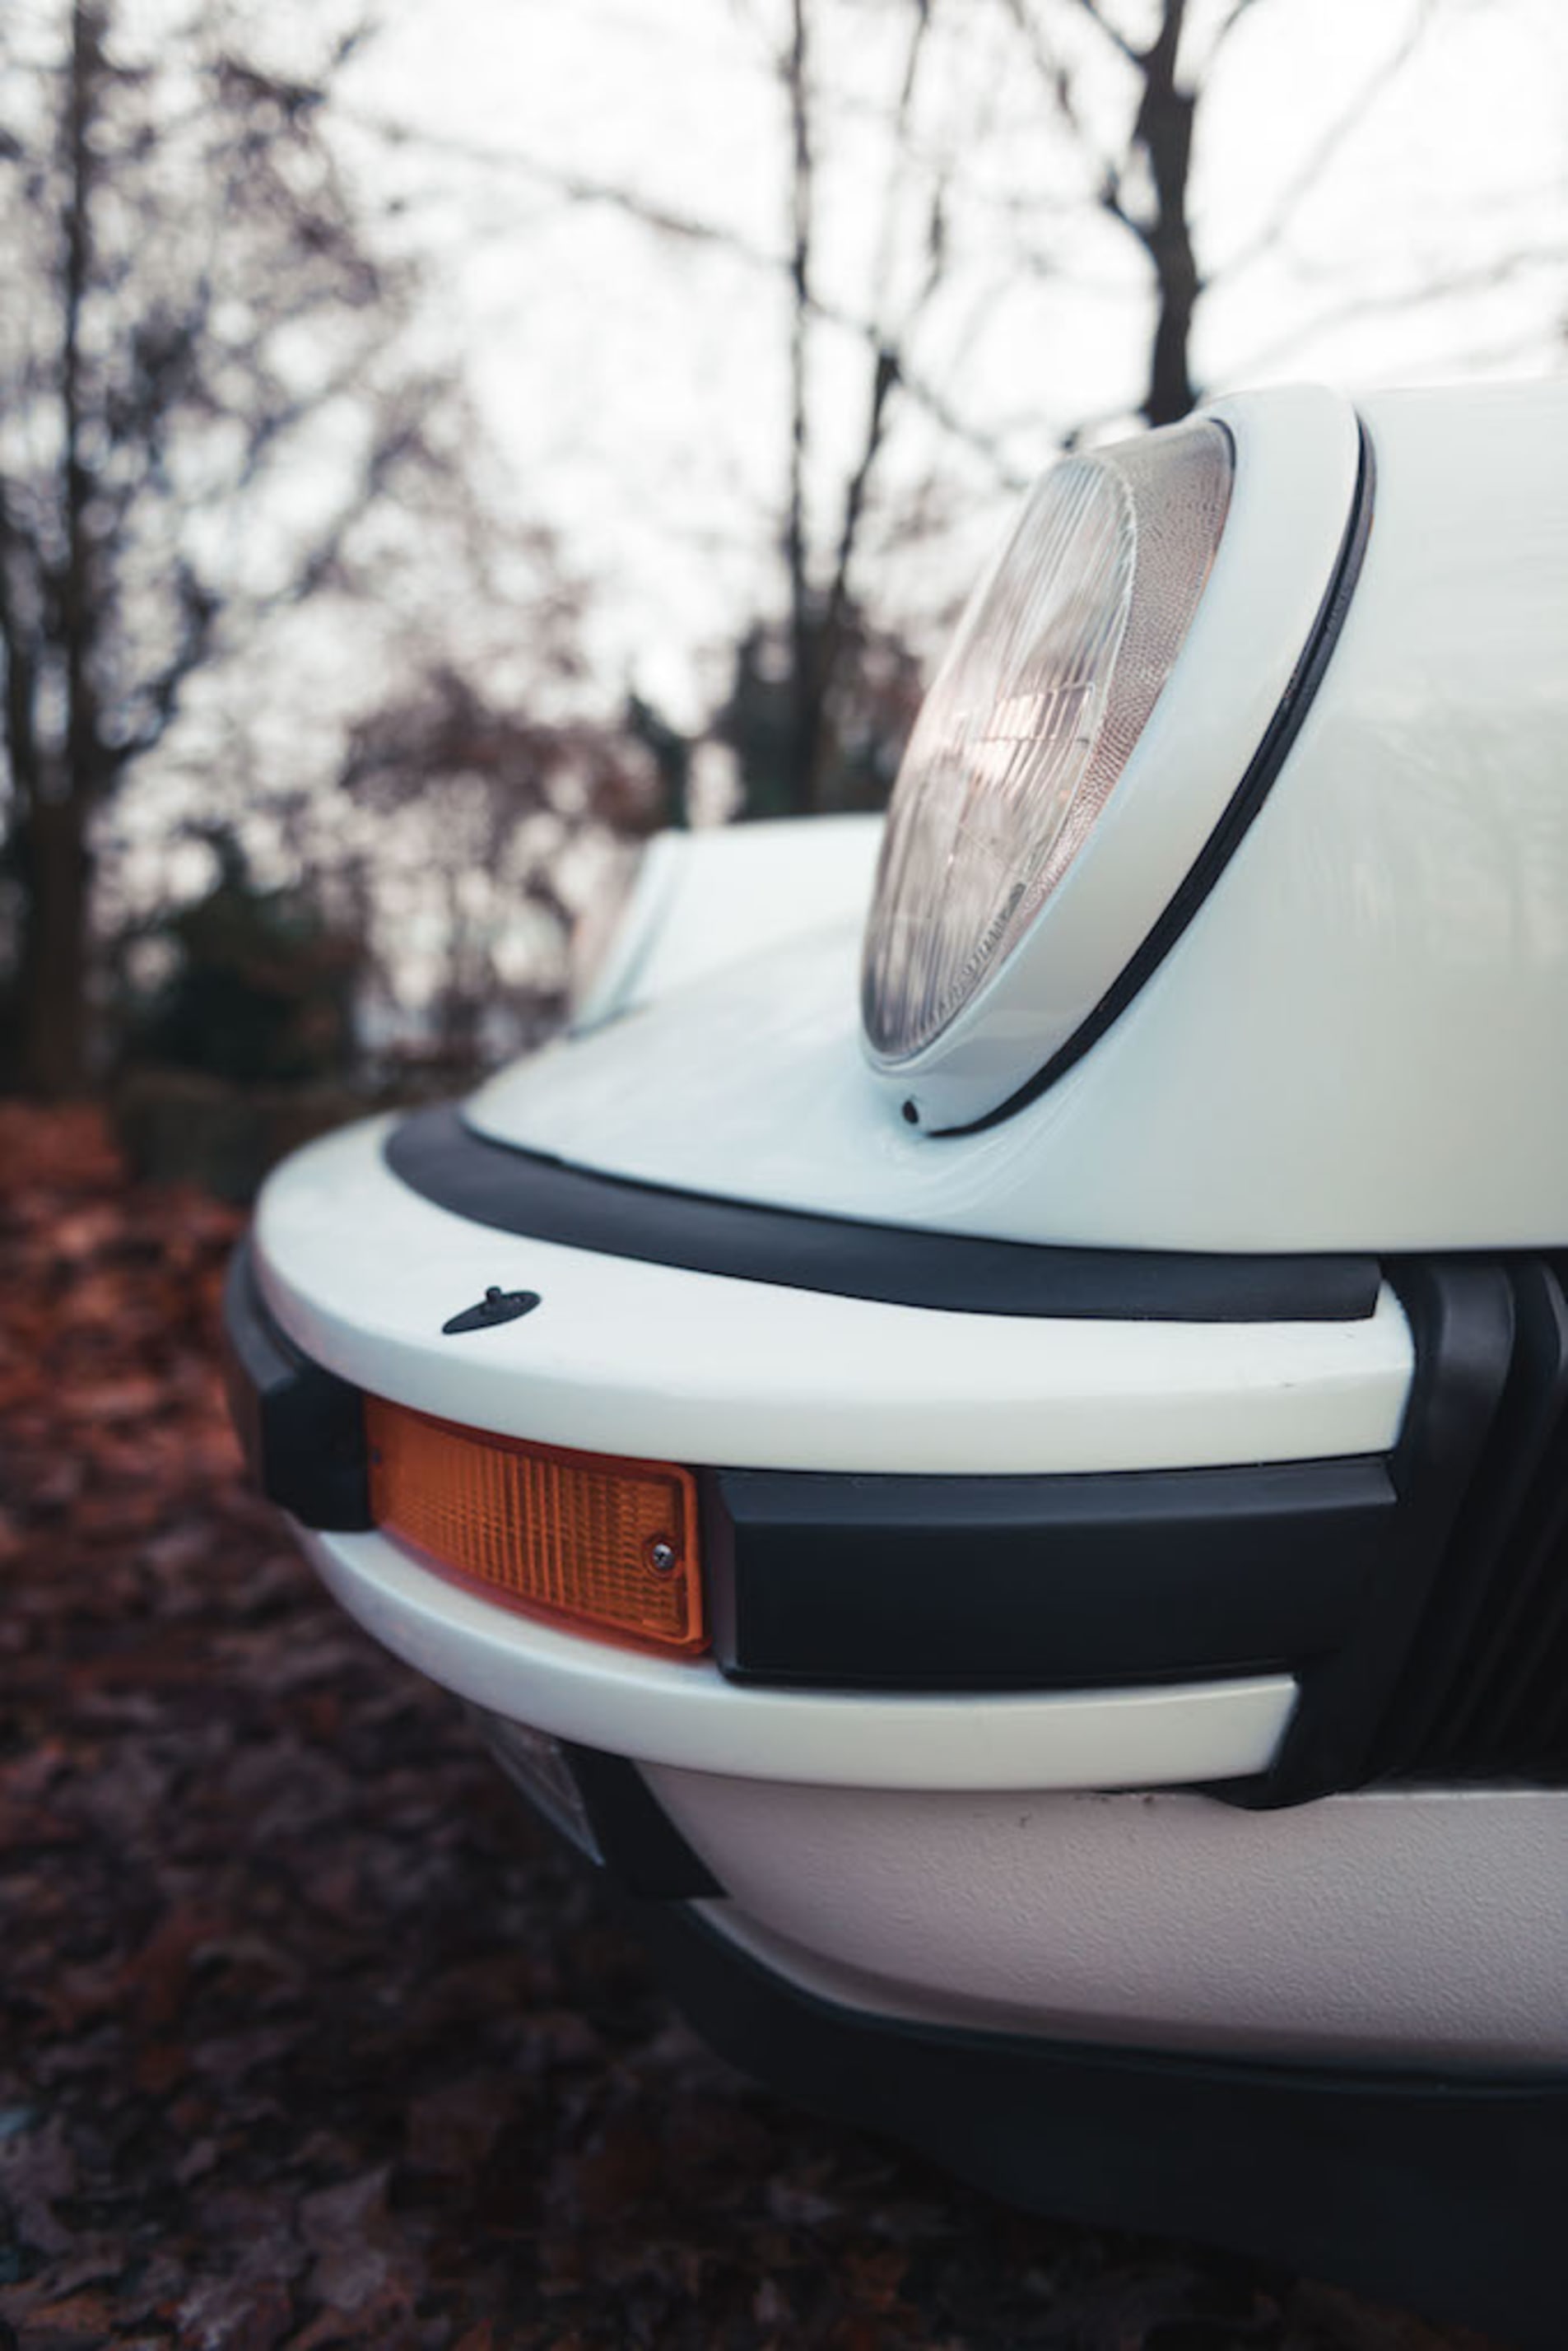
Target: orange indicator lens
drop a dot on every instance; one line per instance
(605, 1546)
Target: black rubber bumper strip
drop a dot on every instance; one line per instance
(1048, 1582)
(1243, 805)
(302, 1427)
(515, 1191)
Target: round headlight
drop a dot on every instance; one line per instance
(1123, 689)
(1056, 666)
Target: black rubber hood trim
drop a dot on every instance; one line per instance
(517, 1191)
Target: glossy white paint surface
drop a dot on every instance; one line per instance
(1398, 1925)
(704, 900)
(687, 1714)
(1361, 1037)
(620, 1357)
(1297, 450)
(1356, 1044)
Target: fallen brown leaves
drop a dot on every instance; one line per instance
(306, 2038)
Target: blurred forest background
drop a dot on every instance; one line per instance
(439, 445)
(441, 442)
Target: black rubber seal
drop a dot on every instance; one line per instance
(1244, 805)
(540, 1198)
(1442, 2191)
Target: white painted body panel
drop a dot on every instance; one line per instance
(621, 1357)
(968, 1861)
(1355, 1044)
(1414, 1925)
(686, 1713)
(702, 901)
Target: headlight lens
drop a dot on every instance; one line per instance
(1057, 663)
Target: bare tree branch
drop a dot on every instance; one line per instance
(689, 229)
(168, 262)
(804, 651)
(887, 371)
(1338, 134)
(1227, 24)
(1112, 33)
(1478, 279)
(1058, 83)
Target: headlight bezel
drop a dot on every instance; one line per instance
(1195, 778)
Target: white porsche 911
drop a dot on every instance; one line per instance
(1024, 1516)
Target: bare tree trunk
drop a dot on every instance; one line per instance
(818, 622)
(1163, 130)
(53, 858)
(1162, 134)
(805, 698)
(55, 855)
(884, 382)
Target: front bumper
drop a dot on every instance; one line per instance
(927, 1685)
(949, 1547)
(1335, 1536)
(964, 1874)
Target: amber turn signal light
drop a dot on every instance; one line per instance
(601, 1545)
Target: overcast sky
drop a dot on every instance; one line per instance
(637, 382)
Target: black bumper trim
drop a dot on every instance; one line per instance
(1443, 2192)
(906, 1583)
(517, 1191)
(1457, 1666)
(302, 1428)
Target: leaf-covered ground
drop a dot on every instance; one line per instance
(307, 2036)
